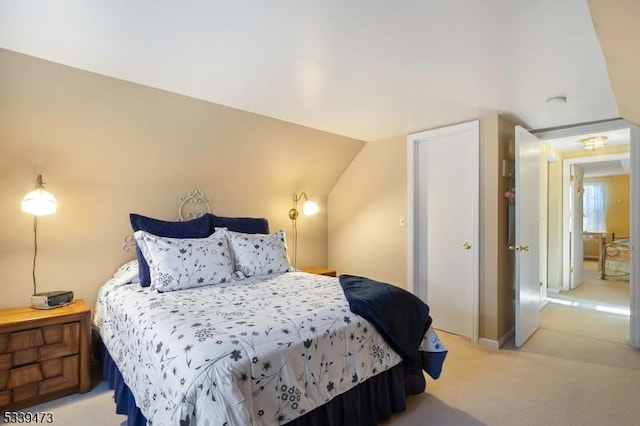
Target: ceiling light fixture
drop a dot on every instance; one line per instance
(594, 142)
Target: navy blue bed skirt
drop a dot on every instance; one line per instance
(368, 403)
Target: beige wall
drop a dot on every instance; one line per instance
(618, 209)
(489, 235)
(506, 257)
(616, 25)
(365, 237)
(554, 236)
(107, 148)
(497, 315)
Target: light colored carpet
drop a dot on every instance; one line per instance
(593, 289)
(564, 375)
(577, 369)
(95, 408)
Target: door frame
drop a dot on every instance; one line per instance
(566, 182)
(412, 174)
(576, 222)
(634, 202)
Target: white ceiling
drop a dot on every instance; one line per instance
(368, 69)
(573, 143)
(606, 168)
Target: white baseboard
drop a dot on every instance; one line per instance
(553, 290)
(493, 344)
(497, 344)
(507, 336)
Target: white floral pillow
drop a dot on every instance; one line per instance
(126, 274)
(182, 263)
(128, 270)
(258, 254)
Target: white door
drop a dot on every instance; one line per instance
(445, 224)
(527, 243)
(576, 219)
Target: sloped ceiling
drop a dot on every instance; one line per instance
(83, 127)
(363, 69)
(617, 25)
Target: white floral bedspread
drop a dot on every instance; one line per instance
(259, 351)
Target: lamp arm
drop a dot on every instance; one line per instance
(293, 212)
(298, 197)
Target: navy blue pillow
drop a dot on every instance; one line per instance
(246, 225)
(196, 228)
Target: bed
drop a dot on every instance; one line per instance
(258, 343)
(615, 263)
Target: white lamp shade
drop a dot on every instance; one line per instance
(39, 203)
(310, 208)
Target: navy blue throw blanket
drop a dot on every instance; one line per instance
(398, 315)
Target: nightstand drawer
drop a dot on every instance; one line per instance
(43, 354)
(47, 357)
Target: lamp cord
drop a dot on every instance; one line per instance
(295, 243)
(35, 250)
(294, 219)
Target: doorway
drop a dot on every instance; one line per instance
(595, 172)
(559, 261)
(603, 284)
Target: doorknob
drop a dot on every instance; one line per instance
(512, 247)
(466, 246)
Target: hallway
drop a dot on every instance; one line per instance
(597, 292)
(588, 324)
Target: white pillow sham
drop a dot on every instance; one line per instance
(125, 274)
(127, 269)
(258, 254)
(182, 263)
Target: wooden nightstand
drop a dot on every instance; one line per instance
(319, 271)
(44, 354)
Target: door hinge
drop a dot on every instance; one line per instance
(571, 270)
(571, 178)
